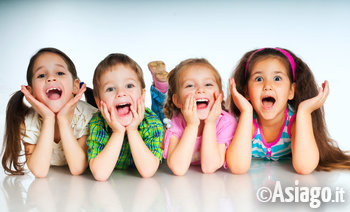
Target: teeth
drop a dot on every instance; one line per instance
(51, 89)
(123, 104)
(202, 100)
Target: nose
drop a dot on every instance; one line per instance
(200, 89)
(51, 78)
(120, 92)
(267, 85)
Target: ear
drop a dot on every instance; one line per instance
(97, 100)
(143, 94)
(246, 95)
(29, 89)
(291, 91)
(76, 86)
(176, 101)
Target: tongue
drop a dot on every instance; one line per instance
(53, 95)
(267, 104)
(201, 105)
(123, 110)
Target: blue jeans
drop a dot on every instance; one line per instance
(158, 99)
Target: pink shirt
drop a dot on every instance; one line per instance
(225, 129)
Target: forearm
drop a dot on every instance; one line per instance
(305, 151)
(75, 154)
(179, 159)
(212, 156)
(145, 161)
(103, 164)
(239, 153)
(39, 160)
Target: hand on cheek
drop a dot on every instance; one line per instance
(39, 107)
(138, 113)
(216, 109)
(189, 111)
(111, 117)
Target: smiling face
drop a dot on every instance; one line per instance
(52, 83)
(269, 88)
(120, 88)
(199, 80)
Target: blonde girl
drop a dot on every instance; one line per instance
(277, 90)
(200, 129)
(54, 130)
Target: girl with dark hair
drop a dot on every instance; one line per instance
(54, 130)
(277, 90)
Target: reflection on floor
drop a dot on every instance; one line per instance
(127, 191)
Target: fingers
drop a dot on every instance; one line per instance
(104, 111)
(233, 86)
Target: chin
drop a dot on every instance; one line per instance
(203, 115)
(125, 121)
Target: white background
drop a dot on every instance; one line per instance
(221, 31)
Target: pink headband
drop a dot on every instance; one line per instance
(289, 57)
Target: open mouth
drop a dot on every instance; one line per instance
(202, 103)
(123, 109)
(53, 93)
(268, 102)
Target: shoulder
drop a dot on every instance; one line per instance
(226, 119)
(85, 109)
(150, 118)
(151, 123)
(32, 119)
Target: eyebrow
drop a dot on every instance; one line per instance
(40, 67)
(109, 81)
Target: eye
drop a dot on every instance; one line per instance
(208, 84)
(110, 89)
(130, 85)
(259, 79)
(41, 76)
(277, 78)
(189, 86)
(60, 73)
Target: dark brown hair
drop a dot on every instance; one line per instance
(173, 79)
(109, 62)
(331, 157)
(15, 114)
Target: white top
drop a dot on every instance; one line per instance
(80, 125)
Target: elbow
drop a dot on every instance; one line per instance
(77, 172)
(210, 168)
(40, 174)
(178, 171)
(100, 177)
(238, 169)
(147, 174)
(302, 170)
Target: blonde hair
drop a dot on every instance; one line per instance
(173, 79)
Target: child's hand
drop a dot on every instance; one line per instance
(316, 102)
(111, 118)
(138, 113)
(189, 111)
(67, 111)
(39, 107)
(240, 101)
(215, 110)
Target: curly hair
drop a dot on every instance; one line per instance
(331, 157)
(173, 79)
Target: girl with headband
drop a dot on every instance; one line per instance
(277, 90)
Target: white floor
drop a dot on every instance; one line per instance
(127, 191)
